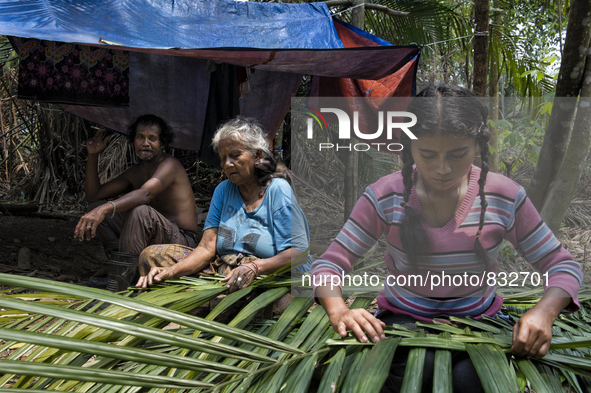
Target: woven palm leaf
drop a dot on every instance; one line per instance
(68, 343)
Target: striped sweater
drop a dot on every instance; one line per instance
(510, 215)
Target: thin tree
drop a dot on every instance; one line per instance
(570, 78)
(493, 161)
(481, 16)
(574, 162)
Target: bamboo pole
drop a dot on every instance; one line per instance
(25, 166)
(16, 149)
(45, 185)
(352, 157)
(9, 166)
(76, 147)
(4, 142)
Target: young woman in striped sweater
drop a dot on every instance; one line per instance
(443, 216)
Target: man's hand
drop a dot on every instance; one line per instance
(98, 142)
(155, 275)
(241, 277)
(358, 320)
(87, 225)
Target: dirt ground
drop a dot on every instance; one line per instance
(54, 253)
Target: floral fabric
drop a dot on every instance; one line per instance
(70, 73)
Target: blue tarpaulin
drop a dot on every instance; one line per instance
(168, 24)
(172, 45)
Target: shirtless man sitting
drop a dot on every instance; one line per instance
(154, 202)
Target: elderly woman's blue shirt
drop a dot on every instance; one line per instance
(276, 224)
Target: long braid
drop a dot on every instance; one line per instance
(413, 236)
(408, 162)
(482, 140)
(437, 115)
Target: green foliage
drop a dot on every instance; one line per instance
(507, 251)
(69, 344)
(521, 133)
(208, 172)
(524, 37)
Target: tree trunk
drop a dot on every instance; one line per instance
(4, 140)
(574, 162)
(358, 14)
(569, 82)
(76, 147)
(467, 71)
(493, 161)
(286, 141)
(481, 15)
(352, 160)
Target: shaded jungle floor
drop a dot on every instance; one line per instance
(53, 252)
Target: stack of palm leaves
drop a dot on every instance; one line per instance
(61, 338)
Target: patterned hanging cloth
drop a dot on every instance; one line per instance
(61, 72)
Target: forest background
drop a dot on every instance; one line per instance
(532, 49)
(519, 53)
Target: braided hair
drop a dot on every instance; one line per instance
(439, 115)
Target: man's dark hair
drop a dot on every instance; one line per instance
(166, 134)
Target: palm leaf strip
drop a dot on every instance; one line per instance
(86, 374)
(114, 351)
(155, 311)
(134, 329)
(442, 372)
(415, 364)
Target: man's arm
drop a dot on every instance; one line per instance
(154, 186)
(159, 182)
(93, 188)
(92, 185)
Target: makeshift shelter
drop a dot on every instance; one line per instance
(185, 60)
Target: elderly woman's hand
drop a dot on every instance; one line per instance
(241, 277)
(155, 275)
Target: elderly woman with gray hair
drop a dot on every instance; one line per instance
(253, 227)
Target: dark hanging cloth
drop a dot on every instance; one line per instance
(62, 72)
(222, 105)
(172, 87)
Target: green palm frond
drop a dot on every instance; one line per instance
(61, 339)
(413, 374)
(442, 371)
(428, 21)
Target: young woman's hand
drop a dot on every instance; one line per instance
(532, 334)
(359, 321)
(342, 318)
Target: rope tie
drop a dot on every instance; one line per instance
(348, 9)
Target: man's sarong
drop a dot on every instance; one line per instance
(136, 229)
